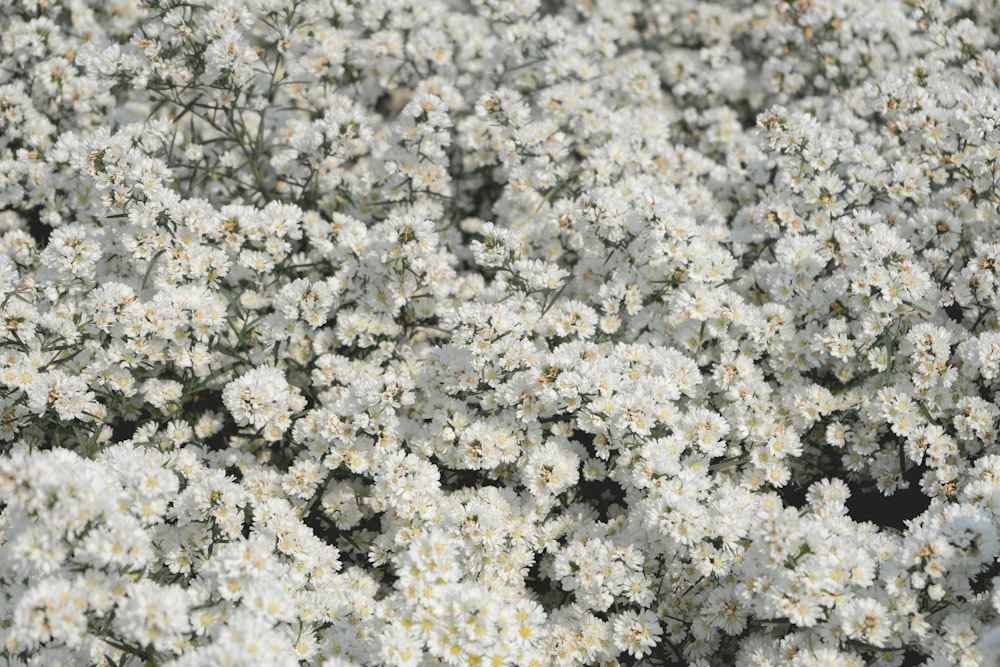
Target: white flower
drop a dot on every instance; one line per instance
(302, 479)
(69, 396)
(829, 495)
(73, 252)
(119, 543)
(498, 247)
(551, 468)
(636, 633)
(401, 645)
(52, 610)
(262, 398)
(154, 615)
(865, 619)
(162, 394)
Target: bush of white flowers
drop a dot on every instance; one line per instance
(499, 332)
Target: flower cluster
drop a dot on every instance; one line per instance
(499, 332)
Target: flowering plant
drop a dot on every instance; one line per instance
(499, 332)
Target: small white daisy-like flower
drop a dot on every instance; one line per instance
(262, 398)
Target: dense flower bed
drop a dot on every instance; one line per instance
(500, 332)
